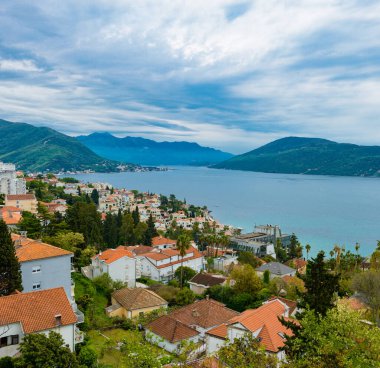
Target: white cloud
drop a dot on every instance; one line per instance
(18, 65)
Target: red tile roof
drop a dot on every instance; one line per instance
(29, 249)
(171, 329)
(207, 279)
(160, 240)
(138, 298)
(11, 215)
(265, 320)
(112, 255)
(204, 313)
(37, 310)
(20, 197)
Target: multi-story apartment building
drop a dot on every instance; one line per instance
(9, 183)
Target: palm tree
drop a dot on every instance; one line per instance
(337, 251)
(307, 247)
(331, 253)
(357, 247)
(183, 244)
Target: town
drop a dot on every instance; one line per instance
(122, 278)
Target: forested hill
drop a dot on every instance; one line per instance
(149, 152)
(295, 155)
(40, 149)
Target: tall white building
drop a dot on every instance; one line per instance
(9, 183)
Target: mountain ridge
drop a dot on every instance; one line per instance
(303, 155)
(44, 149)
(149, 152)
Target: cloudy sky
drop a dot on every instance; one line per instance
(228, 74)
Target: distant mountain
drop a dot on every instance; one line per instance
(315, 156)
(40, 149)
(149, 152)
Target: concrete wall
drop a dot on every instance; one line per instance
(67, 333)
(164, 344)
(55, 272)
(213, 344)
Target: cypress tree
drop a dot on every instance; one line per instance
(136, 216)
(10, 273)
(150, 231)
(95, 196)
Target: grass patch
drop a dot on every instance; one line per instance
(105, 344)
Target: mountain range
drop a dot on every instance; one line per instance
(297, 155)
(148, 152)
(40, 149)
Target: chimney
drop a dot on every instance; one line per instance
(207, 297)
(58, 320)
(195, 313)
(23, 234)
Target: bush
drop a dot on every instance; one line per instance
(185, 297)
(87, 357)
(6, 362)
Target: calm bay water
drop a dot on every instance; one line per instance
(320, 210)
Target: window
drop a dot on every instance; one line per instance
(3, 341)
(36, 285)
(14, 339)
(36, 269)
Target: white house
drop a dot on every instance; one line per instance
(43, 266)
(161, 264)
(276, 269)
(36, 312)
(262, 323)
(119, 263)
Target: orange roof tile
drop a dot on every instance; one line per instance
(29, 249)
(159, 240)
(265, 319)
(20, 197)
(219, 331)
(37, 310)
(204, 313)
(112, 255)
(171, 329)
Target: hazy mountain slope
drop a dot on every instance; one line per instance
(309, 156)
(39, 149)
(149, 152)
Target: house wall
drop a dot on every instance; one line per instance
(136, 312)
(8, 331)
(213, 344)
(67, 333)
(197, 289)
(123, 269)
(165, 344)
(55, 272)
(29, 205)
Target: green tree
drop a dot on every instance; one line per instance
(139, 232)
(10, 274)
(150, 232)
(87, 357)
(321, 286)
(246, 352)
(84, 218)
(340, 339)
(41, 351)
(266, 277)
(246, 280)
(127, 235)
(95, 196)
(67, 240)
(31, 224)
(183, 244)
(185, 296)
(137, 355)
(111, 230)
(307, 247)
(136, 216)
(185, 272)
(249, 258)
(367, 284)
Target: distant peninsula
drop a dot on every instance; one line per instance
(149, 152)
(313, 156)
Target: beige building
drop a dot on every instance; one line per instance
(26, 202)
(130, 303)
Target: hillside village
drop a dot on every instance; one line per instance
(131, 279)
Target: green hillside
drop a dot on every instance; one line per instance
(40, 149)
(314, 156)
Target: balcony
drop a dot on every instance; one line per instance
(79, 336)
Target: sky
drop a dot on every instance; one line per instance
(228, 74)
